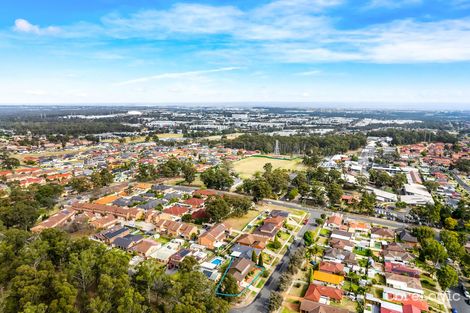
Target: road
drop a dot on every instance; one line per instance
(261, 300)
(318, 211)
(461, 182)
(457, 300)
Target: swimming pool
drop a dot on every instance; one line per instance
(217, 261)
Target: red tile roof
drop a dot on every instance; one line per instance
(314, 292)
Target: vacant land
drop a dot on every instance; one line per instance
(249, 166)
(239, 223)
(218, 137)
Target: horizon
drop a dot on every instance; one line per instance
(403, 52)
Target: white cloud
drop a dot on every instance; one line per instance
(23, 26)
(175, 75)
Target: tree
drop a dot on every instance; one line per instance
(450, 223)
(229, 285)
(309, 238)
(275, 301)
(423, 233)
(367, 203)
(276, 244)
(188, 264)
(189, 172)
(80, 184)
(334, 192)
(447, 277)
(217, 209)
(260, 260)
(293, 193)
(217, 178)
(434, 251)
(453, 244)
(254, 257)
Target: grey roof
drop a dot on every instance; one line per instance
(245, 251)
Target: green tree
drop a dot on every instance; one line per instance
(189, 172)
(275, 301)
(447, 277)
(334, 192)
(217, 209)
(217, 178)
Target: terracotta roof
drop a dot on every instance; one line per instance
(194, 202)
(176, 210)
(315, 292)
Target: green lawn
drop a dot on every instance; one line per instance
(325, 232)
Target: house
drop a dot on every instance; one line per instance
(146, 247)
(205, 192)
(56, 220)
(394, 246)
(382, 233)
(176, 210)
(163, 254)
(307, 306)
(358, 227)
(407, 238)
(240, 268)
(278, 221)
(239, 251)
(397, 256)
(195, 203)
(331, 267)
(341, 244)
(281, 213)
(175, 260)
(335, 220)
(334, 254)
(254, 241)
(405, 283)
(328, 278)
(126, 213)
(126, 242)
(323, 294)
(104, 222)
(401, 269)
(176, 229)
(214, 237)
(340, 234)
(111, 234)
(268, 229)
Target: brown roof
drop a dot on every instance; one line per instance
(240, 268)
(144, 246)
(315, 307)
(331, 267)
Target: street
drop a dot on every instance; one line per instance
(458, 301)
(261, 300)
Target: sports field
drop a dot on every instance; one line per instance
(249, 166)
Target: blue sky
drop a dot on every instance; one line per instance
(161, 51)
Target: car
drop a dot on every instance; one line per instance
(305, 221)
(466, 293)
(454, 310)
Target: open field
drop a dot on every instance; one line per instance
(247, 167)
(142, 138)
(218, 137)
(239, 223)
